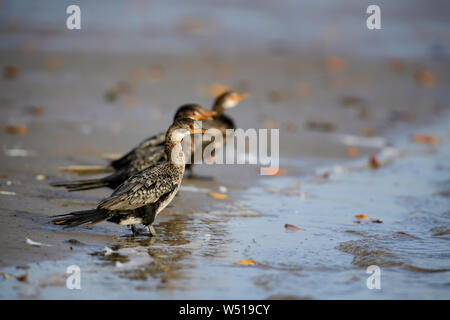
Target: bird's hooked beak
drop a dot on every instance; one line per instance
(194, 130)
(209, 113)
(202, 117)
(240, 96)
(233, 99)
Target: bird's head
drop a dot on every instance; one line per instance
(229, 100)
(183, 127)
(193, 111)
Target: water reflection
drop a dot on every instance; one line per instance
(167, 260)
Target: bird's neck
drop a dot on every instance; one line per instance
(219, 108)
(175, 154)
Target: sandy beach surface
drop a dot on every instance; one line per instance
(364, 149)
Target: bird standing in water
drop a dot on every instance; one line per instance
(141, 197)
(147, 147)
(147, 153)
(219, 121)
(151, 150)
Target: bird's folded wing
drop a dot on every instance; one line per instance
(141, 149)
(153, 156)
(141, 189)
(156, 140)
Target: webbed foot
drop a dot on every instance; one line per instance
(146, 231)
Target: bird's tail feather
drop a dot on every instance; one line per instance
(73, 219)
(82, 184)
(86, 170)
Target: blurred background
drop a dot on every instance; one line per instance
(136, 61)
(411, 29)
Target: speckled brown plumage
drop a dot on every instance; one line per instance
(142, 196)
(148, 153)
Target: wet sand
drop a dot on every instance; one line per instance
(201, 237)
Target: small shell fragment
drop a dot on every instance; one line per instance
(292, 227)
(218, 195)
(362, 216)
(37, 244)
(246, 262)
(421, 138)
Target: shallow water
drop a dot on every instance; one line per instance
(195, 255)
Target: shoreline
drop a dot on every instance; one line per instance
(79, 125)
(45, 278)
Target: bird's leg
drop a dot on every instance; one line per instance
(151, 231)
(147, 230)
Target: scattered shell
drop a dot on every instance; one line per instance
(218, 195)
(23, 278)
(291, 227)
(357, 141)
(112, 95)
(156, 74)
(272, 171)
(34, 243)
(246, 262)
(348, 101)
(20, 129)
(278, 96)
(270, 123)
(321, 126)
(425, 79)
(367, 132)
(352, 152)
(132, 102)
(421, 138)
(7, 193)
(373, 162)
(108, 251)
(326, 175)
(335, 64)
(304, 89)
(6, 276)
(11, 72)
(36, 111)
(53, 63)
(291, 127)
(362, 216)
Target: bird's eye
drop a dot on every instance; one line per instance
(191, 126)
